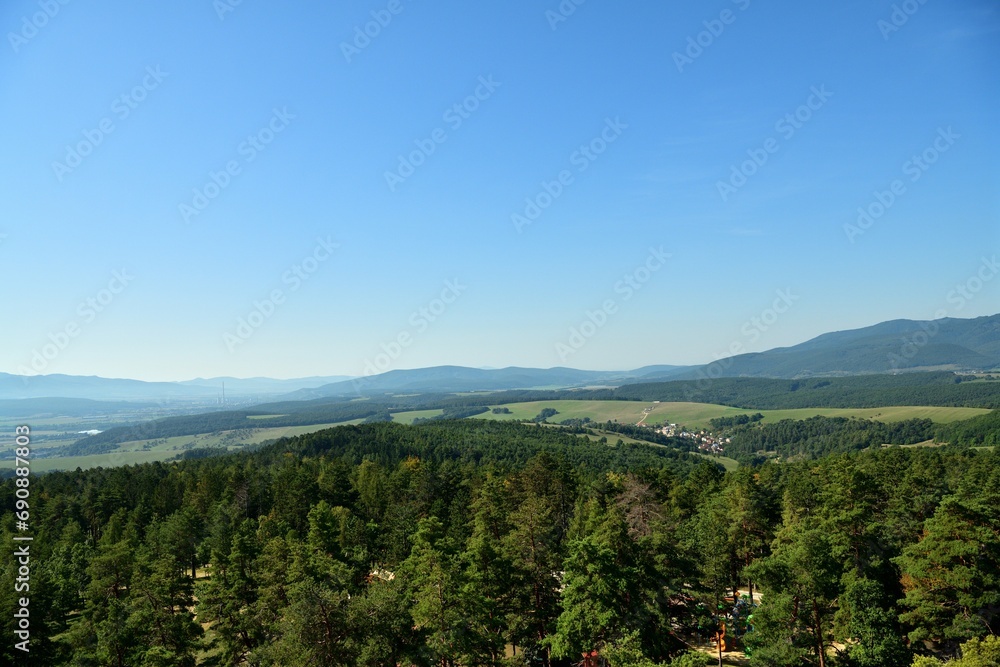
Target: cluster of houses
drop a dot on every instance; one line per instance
(707, 442)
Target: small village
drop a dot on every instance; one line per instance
(708, 442)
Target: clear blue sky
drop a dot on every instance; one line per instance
(555, 86)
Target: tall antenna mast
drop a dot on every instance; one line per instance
(223, 393)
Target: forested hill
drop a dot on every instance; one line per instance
(898, 345)
(861, 391)
(856, 391)
(450, 542)
(505, 445)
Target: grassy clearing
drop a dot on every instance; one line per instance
(408, 417)
(697, 415)
(729, 464)
(230, 439)
(925, 443)
(692, 415)
(42, 422)
(109, 460)
(615, 437)
(146, 451)
(623, 411)
(888, 414)
(612, 437)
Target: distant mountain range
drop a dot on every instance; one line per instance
(947, 344)
(461, 378)
(261, 385)
(896, 346)
(66, 407)
(115, 389)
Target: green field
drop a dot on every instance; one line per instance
(612, 437)
(8, 424)
(729, 464)
(49, 433)
(408, 417)
(145, 451)
(726, 462)
(697, 415)
(888, 414)
(111, 459)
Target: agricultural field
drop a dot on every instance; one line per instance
(728, 463)
(697, 415)
(47, 434)
(887, 414)
(409, 416)
(146, 451)
(53, 433)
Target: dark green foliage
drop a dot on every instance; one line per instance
(799, 583)
(976, 432)
(545, 414)
(449, 542)
(875, 626)
(462, 413)
(736, 420)
(820, 436)
(455, 412)
(648, 434)
(380, 416)
(979, 653)
(952, 574)
(859, 391)
(472, 442)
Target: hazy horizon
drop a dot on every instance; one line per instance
(348, 377)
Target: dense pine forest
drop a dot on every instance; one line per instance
(458, 543)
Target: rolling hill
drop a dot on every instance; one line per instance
(948, 344)
(117, 389)
(461, 379)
